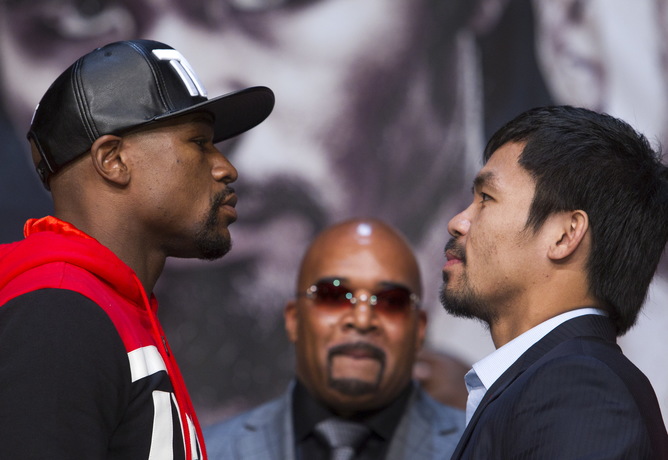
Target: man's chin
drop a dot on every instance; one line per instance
(353, 387)
(214, 253)
(458, 309)
(466, 306)
(212, 246)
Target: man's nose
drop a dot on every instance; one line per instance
(362, 316)
(460, 224)
(223, 170)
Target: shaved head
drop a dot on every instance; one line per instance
(356, 323)
(353, 236)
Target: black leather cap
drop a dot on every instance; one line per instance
(125, 85)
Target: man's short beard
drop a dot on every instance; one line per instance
(355, 387)
(210, 243)
(465, 304)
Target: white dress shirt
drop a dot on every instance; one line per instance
(486, 371)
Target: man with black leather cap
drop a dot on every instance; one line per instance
(124, 139)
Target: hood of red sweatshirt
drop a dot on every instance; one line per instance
(50, 240)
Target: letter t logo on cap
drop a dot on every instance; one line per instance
(183, 69)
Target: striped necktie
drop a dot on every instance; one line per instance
(342, 437)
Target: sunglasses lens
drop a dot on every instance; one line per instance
(335, 296)
(328, 294)
(393, 301)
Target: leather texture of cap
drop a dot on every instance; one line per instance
(123, 86)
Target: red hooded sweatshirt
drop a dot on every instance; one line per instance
(85, 369)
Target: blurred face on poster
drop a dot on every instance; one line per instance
(375, 108)
(366, 93)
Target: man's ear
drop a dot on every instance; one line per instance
(108, 160)
(572, 226)
(421, 327)
(290, 315)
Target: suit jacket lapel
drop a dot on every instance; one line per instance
(269, 435)
(581, 326)
(410, 433)
(421, 433)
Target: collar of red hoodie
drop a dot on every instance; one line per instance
(49, 239)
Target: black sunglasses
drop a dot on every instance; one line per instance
(333, 295)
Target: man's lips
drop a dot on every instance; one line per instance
(454, 254)
(359, 354)
(358, 350)
(228, 201)
(357, 361)
(231, 200)
(452, 259)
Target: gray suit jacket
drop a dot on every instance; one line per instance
(428, 430)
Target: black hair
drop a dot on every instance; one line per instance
(584, 160)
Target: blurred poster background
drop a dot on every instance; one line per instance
(382, 109)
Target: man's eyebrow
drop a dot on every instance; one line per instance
(487, 178)
(203, 118)
(393, 285)
(331, 279)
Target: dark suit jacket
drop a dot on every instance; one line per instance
(573, 395)
(428, 430)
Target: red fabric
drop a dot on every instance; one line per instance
(55, 254)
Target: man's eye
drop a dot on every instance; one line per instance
(107, 20)
(261, 5)
(203, 142)
(484, 197)
(78, 19)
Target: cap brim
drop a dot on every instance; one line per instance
(234, 113)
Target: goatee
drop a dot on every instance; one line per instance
(210, 243)
(465, 302)
(355, 387)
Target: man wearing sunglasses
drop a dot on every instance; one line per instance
(357, 326)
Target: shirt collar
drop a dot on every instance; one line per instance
(491, 367)
(307, 412)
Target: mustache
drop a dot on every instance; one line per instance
(347, 348)
(455, 249)
(216, 202)
(219, 199)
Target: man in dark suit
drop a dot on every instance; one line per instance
(555, 253)
(357, 326)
